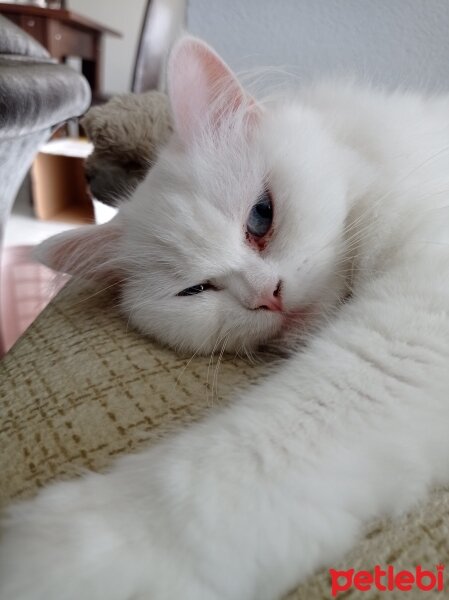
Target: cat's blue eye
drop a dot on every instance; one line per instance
(261, 216)
(196, 289)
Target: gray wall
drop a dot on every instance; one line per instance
(126, 16)
(403, 42)
(119, 53)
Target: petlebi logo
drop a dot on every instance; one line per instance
(387, 579)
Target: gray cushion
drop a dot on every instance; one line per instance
(14, 41)
(35, 95)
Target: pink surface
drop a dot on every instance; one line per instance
(26, 289)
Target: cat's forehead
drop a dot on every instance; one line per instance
(209, 185)
(183, 230)
(192, 209)
(228, 173)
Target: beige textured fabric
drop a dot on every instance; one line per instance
(80, 388)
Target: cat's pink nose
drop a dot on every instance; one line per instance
(271, 300)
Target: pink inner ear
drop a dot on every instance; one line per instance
(90, 252)
(197, 77)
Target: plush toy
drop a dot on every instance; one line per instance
(127, 133)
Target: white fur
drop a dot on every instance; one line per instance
(350, 428)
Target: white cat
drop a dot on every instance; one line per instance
(256, 220)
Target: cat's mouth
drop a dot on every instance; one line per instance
(291, 326)
(298, 318)
(295, 317)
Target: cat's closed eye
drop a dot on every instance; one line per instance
(197, 289)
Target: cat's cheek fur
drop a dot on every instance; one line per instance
(198, 324)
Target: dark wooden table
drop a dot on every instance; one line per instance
(64, 33)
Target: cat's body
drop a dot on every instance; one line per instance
(349, 428)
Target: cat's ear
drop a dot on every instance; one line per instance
(90, 252)
(202, 88)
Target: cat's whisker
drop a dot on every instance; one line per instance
(217, 367)
(196, 353)
(210, 364)
(101, 290)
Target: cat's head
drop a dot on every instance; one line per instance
(236, 235)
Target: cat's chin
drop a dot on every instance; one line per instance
(277, 332)
(296, 327)
(290, 331)
(297, 318)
